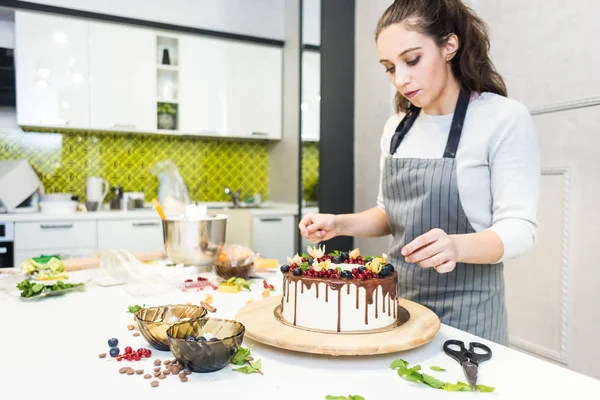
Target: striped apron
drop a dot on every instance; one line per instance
(420, 195)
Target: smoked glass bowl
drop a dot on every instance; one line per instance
(154, 321)
(215, 342)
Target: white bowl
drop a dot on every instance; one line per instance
(62, 197)
(58, 206)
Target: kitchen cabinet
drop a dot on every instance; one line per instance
(52, 70)
(54, 234)
(73, 238)
(254, 90)
(311, 95)
(274, 236)
(202, 95)
(122, 78)
(144, 235)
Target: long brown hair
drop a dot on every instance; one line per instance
(438, 19)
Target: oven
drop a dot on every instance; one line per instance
(7, 245)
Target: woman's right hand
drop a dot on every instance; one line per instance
(318, 227)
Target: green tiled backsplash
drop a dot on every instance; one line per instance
(310, 169)
(64, 161)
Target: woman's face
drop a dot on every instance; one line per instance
(417, 67)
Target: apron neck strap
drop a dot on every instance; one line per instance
(455, 129)
(458, 121)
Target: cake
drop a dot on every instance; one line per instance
(339, 291)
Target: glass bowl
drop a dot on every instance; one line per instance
(216, 342)
(154, 321)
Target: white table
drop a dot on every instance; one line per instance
(50, 349)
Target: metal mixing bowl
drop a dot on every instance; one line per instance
(196, 241)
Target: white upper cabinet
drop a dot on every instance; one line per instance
(123, 77)
(202, 95)
(311, 95)
(254, 90)
(52, 70)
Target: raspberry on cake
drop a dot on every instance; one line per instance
(363, 291)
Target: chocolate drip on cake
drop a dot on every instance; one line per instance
(295, 299)
(371, 287)
(339, 309)
(302, 288)
(376, 290)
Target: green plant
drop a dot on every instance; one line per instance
(166, 108)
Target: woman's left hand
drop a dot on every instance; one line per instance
(434, 249)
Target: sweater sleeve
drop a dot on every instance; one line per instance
(515, 184)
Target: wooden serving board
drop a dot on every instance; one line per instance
(262, 326)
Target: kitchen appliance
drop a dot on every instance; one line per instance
(20, 187)
(7, 246)
(96, 189)
(194, 241)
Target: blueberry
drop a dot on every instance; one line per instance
(113, 342)
(361, 269)
(345, 255)
(390, 266)
(346, 274)
(297, 272)
(114, 351)
(285, 268)
(201, 339)
(214, 339)
(337, 259)
(384, 272)
(310, 260)
(190, 338)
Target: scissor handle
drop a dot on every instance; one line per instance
(458, 355)
(479, 357)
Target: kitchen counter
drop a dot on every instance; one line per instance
(213, 208)
(51, 346)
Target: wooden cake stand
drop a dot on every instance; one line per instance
(262, 325)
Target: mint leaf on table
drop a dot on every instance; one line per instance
(135, 308)
(485, 389)
(457, 387)
(433, 381)
(413, 375)
(241, 356)
(398, 363)
(351, 397)
(250, 369)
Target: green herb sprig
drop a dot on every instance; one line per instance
(135, 308)
(242, 357)
(351, 397)
(413, 375)
(29, 289)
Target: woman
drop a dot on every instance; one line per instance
(459, 168)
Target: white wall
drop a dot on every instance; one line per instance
(264, 18)
(373, 106)
(547, 58)
(311, 22)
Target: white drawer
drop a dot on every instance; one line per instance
(274, 236)
(144, 235)
(54, 235)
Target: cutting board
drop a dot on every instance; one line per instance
(262, 326)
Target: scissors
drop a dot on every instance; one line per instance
(469, 359)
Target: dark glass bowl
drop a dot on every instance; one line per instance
(206, 355)
(154, 321)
